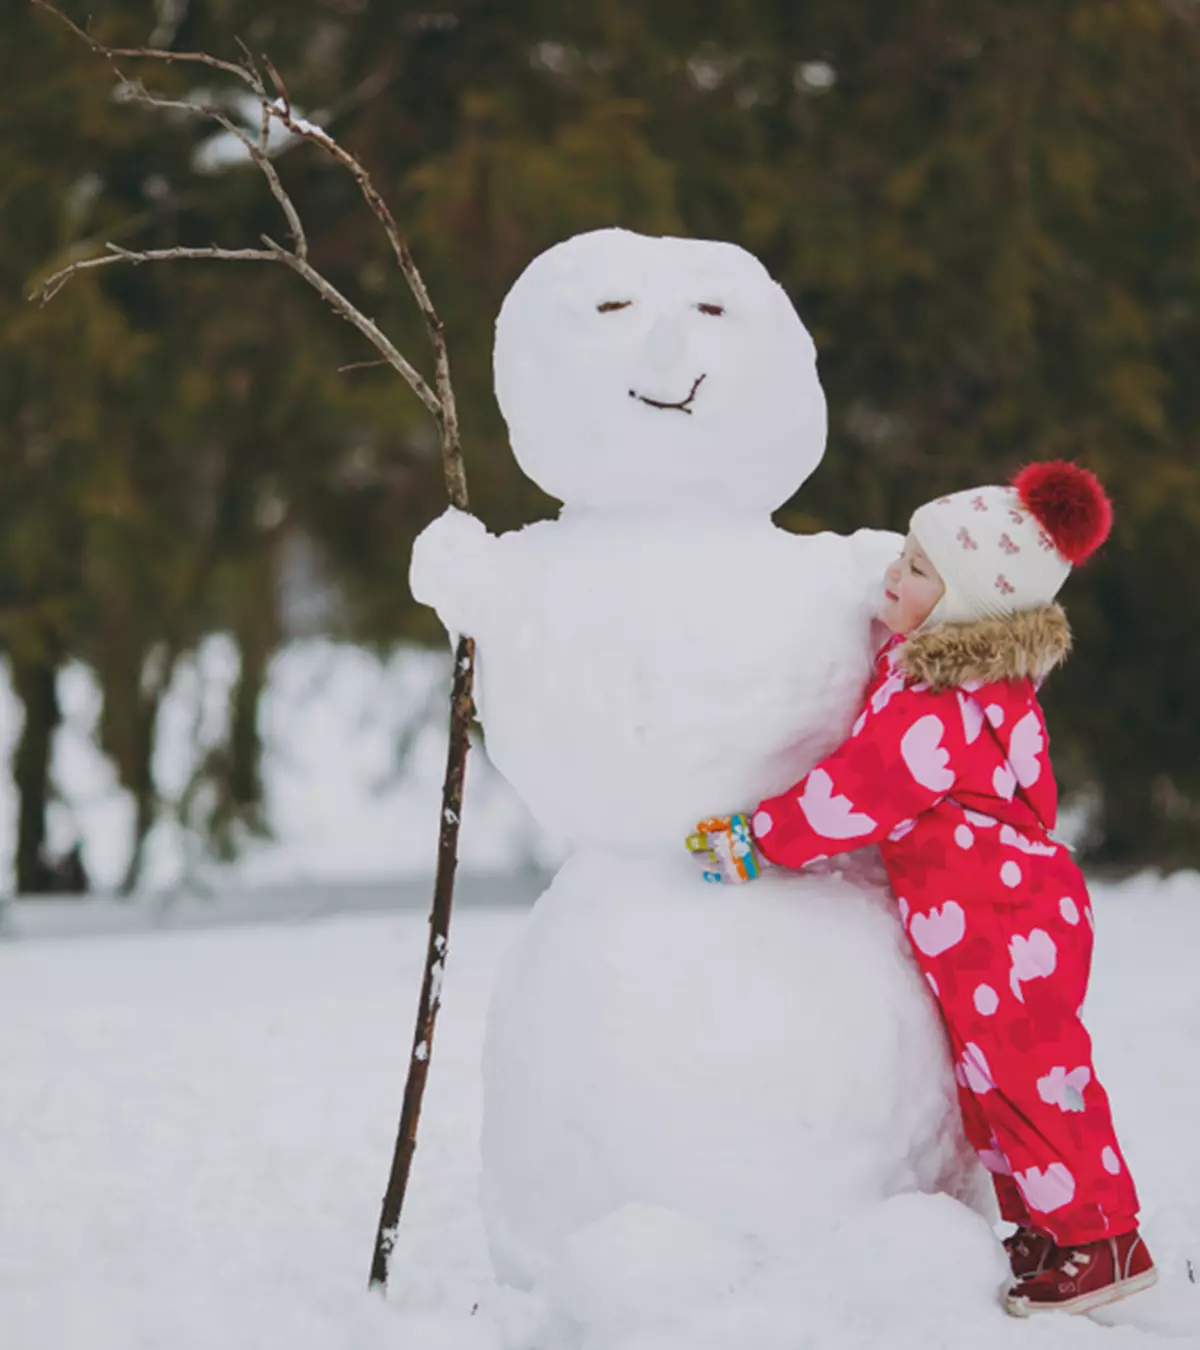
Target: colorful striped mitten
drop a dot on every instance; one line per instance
(724, 847)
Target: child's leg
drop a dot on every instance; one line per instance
(1010, 995)
(979, 1135)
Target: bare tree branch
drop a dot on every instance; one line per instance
(280, 87)
(360, 365)
(249, 63)
(370, 88)
(274, 252)
(140, 94)
(448, 418)
(53, 284)
(154, 53)
(442, 403)
(367, 327)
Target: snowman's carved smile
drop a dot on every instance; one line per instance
(684, 405)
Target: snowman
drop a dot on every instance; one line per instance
(761, 1059)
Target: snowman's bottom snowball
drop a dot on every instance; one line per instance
(645, 1277)
(762, 1059)
(638, 1266)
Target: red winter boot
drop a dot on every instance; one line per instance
(1079, 1279)
(1028, 1251)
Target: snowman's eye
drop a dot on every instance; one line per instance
(709, 308)
(607, 306)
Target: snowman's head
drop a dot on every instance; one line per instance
(635, 371)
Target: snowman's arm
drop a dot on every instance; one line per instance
(454, 571)
(898, 763)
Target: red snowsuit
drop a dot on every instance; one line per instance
(955, 786)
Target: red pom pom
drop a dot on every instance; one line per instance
(1069, 503)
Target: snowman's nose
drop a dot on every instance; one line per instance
(664, 345)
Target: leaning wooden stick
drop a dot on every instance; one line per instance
(275, 105)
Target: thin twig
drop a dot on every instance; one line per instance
(682, 405)
(53, 284)
(154, 53)
(280, 87)
(367, 327)
(360, 365)
(248, 61)
(138, 91)
(448, 411)
(370, 88)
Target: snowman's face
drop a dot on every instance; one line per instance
(635, 372)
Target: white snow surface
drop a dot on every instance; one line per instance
(196, 1130)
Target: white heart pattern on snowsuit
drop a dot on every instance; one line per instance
(940, 929)
(1065, 1090)
(1047, 1190)
(922, 751)
(1033, 958)
(1024, 749)
(831, 815)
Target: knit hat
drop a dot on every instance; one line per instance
(1001, 550)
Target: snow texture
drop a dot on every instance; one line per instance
(197, 1128)
(659, 654)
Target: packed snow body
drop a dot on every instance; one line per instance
(763, 1064)
(659, 653)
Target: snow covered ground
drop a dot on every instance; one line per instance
(195, 1128)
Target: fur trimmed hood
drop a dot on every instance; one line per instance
(1027, 645)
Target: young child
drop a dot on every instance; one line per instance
(947, 771)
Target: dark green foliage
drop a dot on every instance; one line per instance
(986, 212)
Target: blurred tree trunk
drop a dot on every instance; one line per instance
(245, 743)
(34, 679)
(140, 782)
(258, 637)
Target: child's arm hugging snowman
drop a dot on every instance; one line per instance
(896, 764)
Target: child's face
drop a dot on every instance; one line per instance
(912, 587)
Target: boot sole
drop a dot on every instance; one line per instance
(1017, 1306)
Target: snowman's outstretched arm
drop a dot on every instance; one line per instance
(453, 571)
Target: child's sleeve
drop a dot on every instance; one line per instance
(899, 762)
